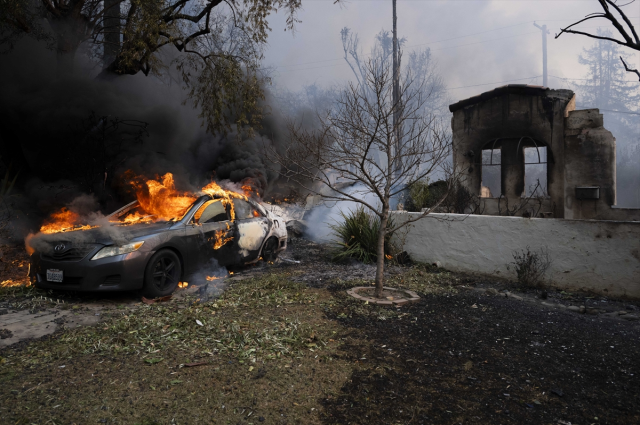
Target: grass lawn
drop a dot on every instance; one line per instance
(267, 351)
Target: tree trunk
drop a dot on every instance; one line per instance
(68, 35)
(66, 54)
(382, 232)
(111, 32)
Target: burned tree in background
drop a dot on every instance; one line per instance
(419, 63)
(344, 150)
(605, 87)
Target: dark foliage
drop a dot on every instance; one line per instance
(530, 266)
(457, 199)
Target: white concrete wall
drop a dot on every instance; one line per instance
(598, 256)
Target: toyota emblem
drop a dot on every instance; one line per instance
(59, 248)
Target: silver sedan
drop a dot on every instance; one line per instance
(156, 256)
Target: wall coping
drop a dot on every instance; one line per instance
(624, 208)
(462, 217)
(522, 89)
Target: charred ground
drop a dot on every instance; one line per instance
(284, 344)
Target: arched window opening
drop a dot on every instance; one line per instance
(535, 172)
(491, 185)
(514, 167)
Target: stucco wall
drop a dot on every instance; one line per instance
(590, 160)
(599, 256)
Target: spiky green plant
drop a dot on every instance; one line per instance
(357, 236)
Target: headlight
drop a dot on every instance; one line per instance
(110, 251)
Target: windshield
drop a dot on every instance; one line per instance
(134, 213)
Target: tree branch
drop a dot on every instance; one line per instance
(635, 71)
(632, 43)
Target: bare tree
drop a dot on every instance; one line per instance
(420, 64)
(381, 51)
(356, 144)
(614, 14)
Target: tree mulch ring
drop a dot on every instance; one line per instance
(390, 296)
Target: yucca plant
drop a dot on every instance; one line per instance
(357, 236)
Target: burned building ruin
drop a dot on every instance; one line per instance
(526, 151)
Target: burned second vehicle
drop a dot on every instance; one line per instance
(134, 251)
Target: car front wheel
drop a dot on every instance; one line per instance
(162, 274)
(269, 251)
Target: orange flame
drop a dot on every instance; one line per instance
(215, 190)
(183, 284)
(136, 217)
(13, 283)
(220, 238)
(250, 191)
(250, 187)
(64, 220)
(210, 278)
(159, 198)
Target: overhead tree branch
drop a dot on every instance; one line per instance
(635, 71)
(625, 28)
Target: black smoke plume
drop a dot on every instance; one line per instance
(77, 134)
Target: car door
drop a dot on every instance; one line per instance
(252, 229)
(213, 233)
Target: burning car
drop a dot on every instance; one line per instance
(137, 250)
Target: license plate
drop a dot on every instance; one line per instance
(54, 275)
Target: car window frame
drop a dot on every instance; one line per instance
(196, 218)
(251, 207)
(262, 210)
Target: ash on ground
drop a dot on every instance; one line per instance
(312, 263)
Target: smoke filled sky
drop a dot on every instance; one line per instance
(478, 44)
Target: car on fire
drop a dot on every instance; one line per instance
(156, 256)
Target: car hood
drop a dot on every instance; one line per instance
(144, 229)
(106, 235)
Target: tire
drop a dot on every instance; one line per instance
(269, 250)
(162, 274)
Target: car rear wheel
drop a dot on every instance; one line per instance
(162, 275)
(269, 250)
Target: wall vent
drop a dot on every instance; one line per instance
(588, 192)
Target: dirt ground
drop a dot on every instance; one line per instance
(284, 345)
